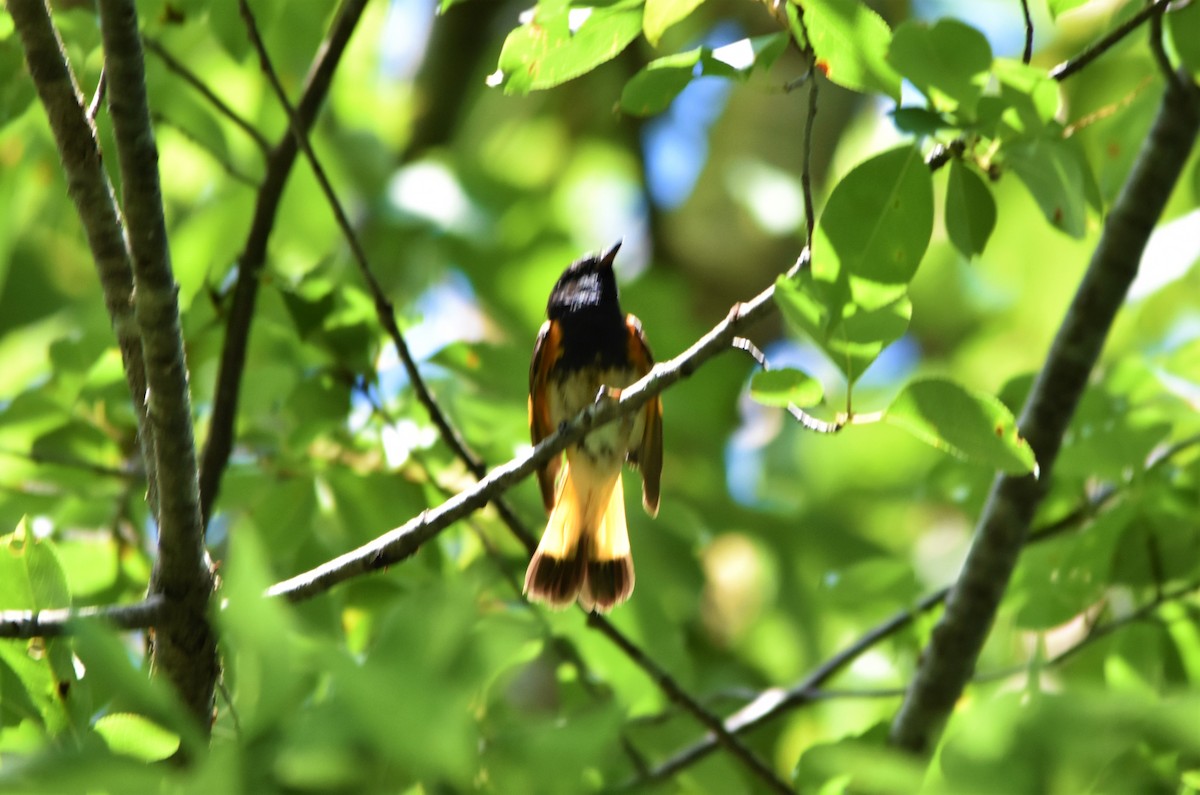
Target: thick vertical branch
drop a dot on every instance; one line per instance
(91, 192)
(949, 660)
(185, 647)
(254, 254)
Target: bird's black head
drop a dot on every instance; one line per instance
(587, 286)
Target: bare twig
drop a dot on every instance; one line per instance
(185, 649)
(218, 104)
(251, 261)
(798, 414)
(1094, 51)
(98, 97)
(1027, 53)
(949, 660)
(54, 623)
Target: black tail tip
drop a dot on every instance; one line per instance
(556, 582)
(607, 584)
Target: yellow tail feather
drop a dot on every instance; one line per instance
(584, 552)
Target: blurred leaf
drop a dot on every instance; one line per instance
(31, 577)
(16, 89)
(786, 385)
(133, 735)
(554, 48)
(970, 425)
(851, 42)
(1183, 28)
(948, 61)
(970, 210)
(660, 15)
(920, 121)
(657, 84)
(1061, 6)
(1057, 176)
(878, 220)
(870, 582)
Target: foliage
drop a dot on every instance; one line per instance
(958, 194)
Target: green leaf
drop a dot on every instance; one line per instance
(851, 335)
(547, 51)
(972, 426)
(851, 42)
(31, 577)
(1058, 176)
(657, 84)
(1029, 97)
(133, 735)
(662, 14)
(878, 220)
(16, 89)
(920, 121)
(949, 62)
(970, 210)
(1183, 28)
(786, 386)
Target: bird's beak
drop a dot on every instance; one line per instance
(610, 254)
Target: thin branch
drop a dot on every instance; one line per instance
(55, 623)
(1027, 53)
(949, 660)
(98, 97)
(190, 77)
(809, 122)
(185, 647)
(92, 193)
(1095, 50)
(254, 253)
(1157, 50)
(723, 735)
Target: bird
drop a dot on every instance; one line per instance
(588, 350)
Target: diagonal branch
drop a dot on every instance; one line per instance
(1107, 42)
(254, 254)
(949, 660)
(185, 649)
(92, 194)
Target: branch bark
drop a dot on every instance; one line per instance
(949, 660)
(93, 196)
(254, 254)
(55, 623)
(185, 648)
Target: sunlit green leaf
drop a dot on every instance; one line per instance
(948, 61)
(555, 47)
(134, 735)
(878, 220)
(970, 210)
(786, 385)
(662, 14)
(970, 425)
(851, 42)
(1057, 176)
(1061, 6)
(851, 335)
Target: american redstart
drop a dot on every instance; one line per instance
(586, 349)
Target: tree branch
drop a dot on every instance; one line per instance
(254, 253)
(185, 648)
(1094, 51)
(92, 193)
(949, 660)
(54, 623)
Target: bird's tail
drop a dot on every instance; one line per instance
(584, 553)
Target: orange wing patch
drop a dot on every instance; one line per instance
(647, 456)
(546, 352)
